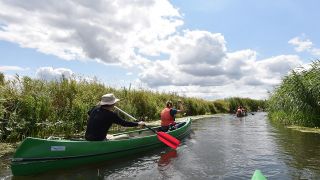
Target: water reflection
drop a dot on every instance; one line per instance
(166, 158)
(300, 151)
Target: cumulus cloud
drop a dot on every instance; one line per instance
(108, 31)
(199, 47)
(49, 73)
(209, 61)
(194, 58)
(279, 64)
(143, 34)
(302, 44)
(200, 59)
(56, 74)
(315, 52)
(11, 68)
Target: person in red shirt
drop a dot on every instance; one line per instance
(168, 115)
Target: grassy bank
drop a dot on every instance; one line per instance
(37, 108)
(7, 148)
(297, 100)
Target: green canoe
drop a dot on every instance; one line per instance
(257, 175)
(36, 155)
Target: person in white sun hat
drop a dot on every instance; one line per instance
(101, 117)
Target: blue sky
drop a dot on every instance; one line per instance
(208, 49)
(265, 26)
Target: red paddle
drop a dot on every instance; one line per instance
(162, 136)
(166, 138)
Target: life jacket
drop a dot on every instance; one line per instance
(166, 118)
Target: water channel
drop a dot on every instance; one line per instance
(221, 147)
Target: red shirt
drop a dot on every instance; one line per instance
(166, 117)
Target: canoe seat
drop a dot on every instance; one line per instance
(117, 137)
(54, 138)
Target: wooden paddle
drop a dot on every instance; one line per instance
(162, 136)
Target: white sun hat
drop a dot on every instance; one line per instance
(108, 99)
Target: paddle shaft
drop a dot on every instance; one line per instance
(162, 136)
(125, 113)
(133, 118)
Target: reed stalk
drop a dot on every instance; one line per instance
(297, 100)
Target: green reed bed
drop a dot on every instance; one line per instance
(297, 100)
(38, 108)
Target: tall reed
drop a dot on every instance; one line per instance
(38, 108)
(297, 99)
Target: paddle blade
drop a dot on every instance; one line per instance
(168, 140)
(168, 137)
(168, 143)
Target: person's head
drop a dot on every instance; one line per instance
(108, 100)
(169, 104)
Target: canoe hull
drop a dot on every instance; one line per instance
(37, 167)
(241, 114)
(36, 156)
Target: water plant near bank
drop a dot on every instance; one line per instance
(297, 100)
(39, 108)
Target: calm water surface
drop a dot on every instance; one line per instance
(222, 147)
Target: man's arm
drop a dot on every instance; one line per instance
(180, 107)
(122, 122)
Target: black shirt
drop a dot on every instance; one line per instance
(99, 122)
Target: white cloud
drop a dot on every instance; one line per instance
(144, 34)
(199, 47)
(254, 80)
(192, 56)
(207, 69)
(315, 52)
(9, 77)
(49, 73)
(302, 44)
(280, 64)
(108, 31)
(56, 74)
(11, 68)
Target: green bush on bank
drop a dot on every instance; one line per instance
(38, 108)
(297, 100)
